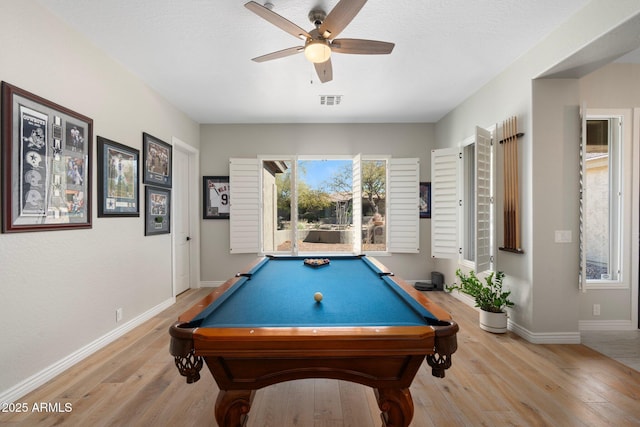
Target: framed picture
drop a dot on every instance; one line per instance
(157, 219)
(215, 202)
(425, 200)
(157, 161)
(46, 164)
(118, 171)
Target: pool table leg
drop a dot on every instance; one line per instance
(396, 405)
(232, 407)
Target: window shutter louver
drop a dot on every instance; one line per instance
(244, 212)
(445, 165)
(483, 199)
(403, 209)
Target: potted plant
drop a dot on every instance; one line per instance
(489, 297)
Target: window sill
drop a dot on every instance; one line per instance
(605, 285)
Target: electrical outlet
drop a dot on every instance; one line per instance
(596, 309)
(118, 314)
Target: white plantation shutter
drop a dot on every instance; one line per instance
(445, 166)
(403, 205)
(244, 212)
(582, 256)
(483, 199)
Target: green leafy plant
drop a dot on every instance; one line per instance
(488, 295)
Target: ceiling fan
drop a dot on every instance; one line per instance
(320, 42)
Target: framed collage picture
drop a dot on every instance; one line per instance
(157, 219)
(215, 202)
(46, 154)
(118, 183)
(157, 161)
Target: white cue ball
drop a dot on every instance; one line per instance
(317, 296)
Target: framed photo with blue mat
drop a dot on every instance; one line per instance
(118, 182)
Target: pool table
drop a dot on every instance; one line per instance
(264, 326)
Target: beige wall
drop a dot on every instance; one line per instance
(59, 290)
(554, 182)
(616, 86)
(544, 278)
(220, 142)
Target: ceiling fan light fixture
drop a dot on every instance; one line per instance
(317, 51)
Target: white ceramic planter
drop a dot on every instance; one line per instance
(493, 322)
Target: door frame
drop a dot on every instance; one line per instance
(192, 186)
(635, 220)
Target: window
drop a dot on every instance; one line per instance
(324, 205)
(324, 195)
(604, 188)
(461, 220)
(603, 199)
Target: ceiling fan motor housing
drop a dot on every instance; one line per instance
(317, 17)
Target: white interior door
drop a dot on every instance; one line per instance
(181, 221)
(185, 217)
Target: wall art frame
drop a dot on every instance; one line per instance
(157, 158)
(157, 219)
(425, 200)
(215, 197)
(118, 182)
(46, 164)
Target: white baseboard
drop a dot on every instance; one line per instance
(606, 325)
(40, 378)
(532, 337)
(545, 337)
(210, 283)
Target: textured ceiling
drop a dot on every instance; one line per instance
(196, 53)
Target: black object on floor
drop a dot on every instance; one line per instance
(424, 286)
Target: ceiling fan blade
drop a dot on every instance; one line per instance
(340, 17)
(277, 20)
(359, 46)
(279, 54)
(324, 70)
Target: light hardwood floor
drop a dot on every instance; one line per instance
(623, 346)
(496, 380)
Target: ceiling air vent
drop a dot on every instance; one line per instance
(329, 100)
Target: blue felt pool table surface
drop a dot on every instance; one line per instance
(263, 327)
(279, 292)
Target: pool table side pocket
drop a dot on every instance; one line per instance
(446, 344)
(183, 351)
